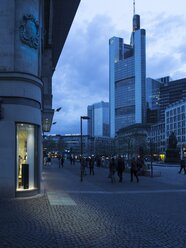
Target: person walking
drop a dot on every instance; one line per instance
(74, 160)
(82, 168)
(182, 166)
(134, 170)
(112, 168)
(59, 160)
(62, 161)
(71, 159)
(91, 166)
(98, 161)
(49, 161)
(120, 168)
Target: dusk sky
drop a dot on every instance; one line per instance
(81, 77)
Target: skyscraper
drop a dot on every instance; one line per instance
(127, 75)
(98, 124)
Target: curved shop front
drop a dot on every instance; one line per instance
(21, 135)
(27, 167)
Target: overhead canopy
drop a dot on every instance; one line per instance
(58, 18)
(58, 15)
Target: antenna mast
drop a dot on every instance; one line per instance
(133, 7)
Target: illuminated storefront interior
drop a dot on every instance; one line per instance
(26, 157)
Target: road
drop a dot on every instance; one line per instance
(98, 213)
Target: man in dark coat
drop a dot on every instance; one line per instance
(120, 168)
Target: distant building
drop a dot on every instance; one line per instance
(162, 94)
(153, 100)
(131, 139)
(98, 124)
(127, 75)
(102, 146)
(71, 144)
(171, 92)
(156, 136)
(175, 121)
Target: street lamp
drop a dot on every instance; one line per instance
(58, 109)
(151, 144)
(81, 131)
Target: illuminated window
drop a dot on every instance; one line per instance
(26, 156)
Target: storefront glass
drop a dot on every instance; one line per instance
(26, 156)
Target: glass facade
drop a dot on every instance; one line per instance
(175, 118)
(170, 93)
(115, 54)
(127, 80)
(125, 103)
(98, 124)
(152, 93)
(140, 75)
(27, 169)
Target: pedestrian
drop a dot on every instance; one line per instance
(82, 168)
(112, 169)
(62, 161)
(120, 168)
(71, 159)
(134, 170)
(59, 160)
(98, 161)
(182, 166)
(48, 160)
(45, 161)
(91, 166)
(139, 164)
(74, 160)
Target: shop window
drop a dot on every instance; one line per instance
(26, 156)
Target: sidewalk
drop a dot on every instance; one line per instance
(97, 213)
(169, 179)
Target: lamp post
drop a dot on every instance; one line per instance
(58, 109)
(81, 151)
(151, 144)
(81, 132)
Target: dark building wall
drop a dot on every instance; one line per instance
(170, 93)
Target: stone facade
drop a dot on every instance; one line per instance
(26, 69)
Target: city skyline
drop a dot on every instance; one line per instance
(81, 76)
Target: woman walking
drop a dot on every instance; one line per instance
(112, 168)
(134, 170)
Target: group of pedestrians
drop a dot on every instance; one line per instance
(89, 163)
(47, 161)
(117, 165)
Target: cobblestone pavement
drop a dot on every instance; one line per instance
(98, 213)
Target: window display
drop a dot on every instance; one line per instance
(26, 156)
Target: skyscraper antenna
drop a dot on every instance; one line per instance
(133, 7)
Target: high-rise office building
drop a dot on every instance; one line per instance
(98, 124)
(153, 100)
(127, 75)
(171, 92)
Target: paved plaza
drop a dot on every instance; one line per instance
(96, 212)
